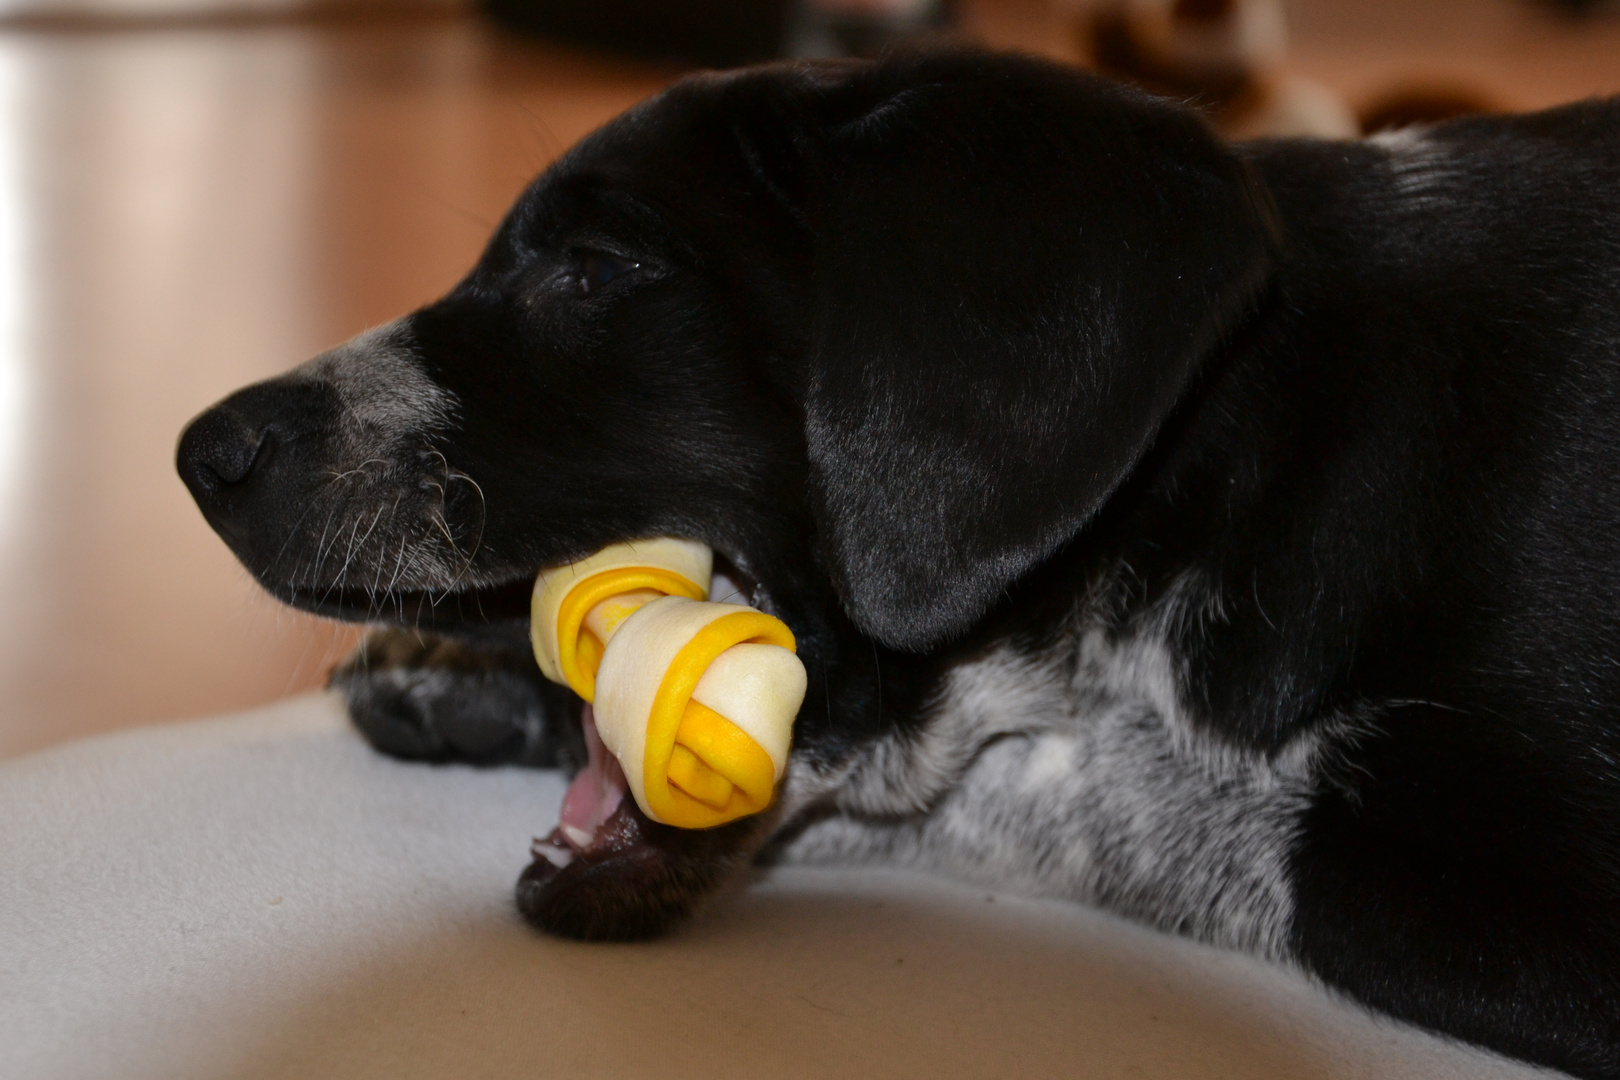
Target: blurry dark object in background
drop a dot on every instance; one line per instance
(1584, 7)
(716, 32)
(725, 33)
(1424, 103)
(1224, 56)
(866, 27)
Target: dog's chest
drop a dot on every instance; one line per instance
(1080, 772)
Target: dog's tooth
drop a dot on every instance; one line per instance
(559, 857)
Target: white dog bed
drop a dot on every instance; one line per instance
(263, 896)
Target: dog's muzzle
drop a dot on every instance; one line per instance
(248, 459)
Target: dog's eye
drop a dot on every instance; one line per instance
(597, 270)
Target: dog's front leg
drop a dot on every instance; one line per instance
(428, 698)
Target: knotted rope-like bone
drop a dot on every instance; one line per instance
(695, 699)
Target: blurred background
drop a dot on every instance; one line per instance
(195, 194)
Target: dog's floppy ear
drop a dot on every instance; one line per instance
(1018, 271)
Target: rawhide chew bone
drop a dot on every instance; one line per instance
(696, 700)
(704, 696)
(568, 648)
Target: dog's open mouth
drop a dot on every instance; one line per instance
(608, 872)
(593, 800)
(605, 871)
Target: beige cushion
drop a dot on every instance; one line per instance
(263, 896)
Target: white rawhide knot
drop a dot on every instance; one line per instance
(696, 700)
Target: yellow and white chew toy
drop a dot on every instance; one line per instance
(696, 700)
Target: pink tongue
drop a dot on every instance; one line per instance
(595, 793)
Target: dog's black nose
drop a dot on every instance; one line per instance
(219, 447)
(224, 452)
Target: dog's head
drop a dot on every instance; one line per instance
(885, 336)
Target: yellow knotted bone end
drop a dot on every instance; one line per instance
(714, 761)
(579, 651)
(564, 645)
(696, 700)
(701, 770)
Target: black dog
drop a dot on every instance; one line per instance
(1226, 536)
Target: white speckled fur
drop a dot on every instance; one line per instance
(368, 528)
(1080, 773)
(387, 395)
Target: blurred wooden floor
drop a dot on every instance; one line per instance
(183, 211)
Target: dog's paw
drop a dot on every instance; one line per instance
(427, 698)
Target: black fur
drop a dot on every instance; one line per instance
(434, 699)
(932, 350)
